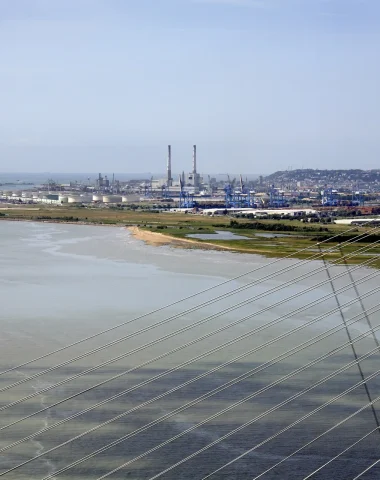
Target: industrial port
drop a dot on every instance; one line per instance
(291, 192)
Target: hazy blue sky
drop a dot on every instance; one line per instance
(258, 85)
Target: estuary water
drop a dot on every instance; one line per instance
(63, 283)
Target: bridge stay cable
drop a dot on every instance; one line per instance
(339, 309)
(347, 449)
(262, 367)
(216, 390)
(210, 418)
(200, 322)
(171, 335)
(361, 372)
(256, 330)
(367, 470)
(360, 237)
(250, 422)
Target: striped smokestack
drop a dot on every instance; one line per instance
(194, 159)
(169, 166)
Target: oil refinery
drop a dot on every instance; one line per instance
(299, 189)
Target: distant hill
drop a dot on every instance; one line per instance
(323, 177)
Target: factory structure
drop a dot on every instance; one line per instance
(193, 191)
(105, 190)
(191, 181)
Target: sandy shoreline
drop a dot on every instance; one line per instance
(150, 238)
(157, 239)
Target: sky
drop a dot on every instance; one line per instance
(258, 85)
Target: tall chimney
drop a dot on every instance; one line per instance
(194, 159)
(169, 166)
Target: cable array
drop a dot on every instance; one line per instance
(315, 440)
(171, 335)
(168, 320)
(362, 376)
(313, 257)
(281, 357)
(250, 422)
(209, 394)
(341, 453)
(371, 332)
(258, 329)
(49, 477)
(366, 470)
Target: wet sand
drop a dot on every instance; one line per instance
(156, 239)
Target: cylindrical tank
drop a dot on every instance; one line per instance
(112, 199)
(97, 198)
(63, 199)
(86, 198)
(73, 199)
(124, 199)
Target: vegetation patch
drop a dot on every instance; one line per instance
(299, 241)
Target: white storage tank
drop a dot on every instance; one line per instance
(97, 198)
(73, 199)
(124, 199)
(63, 199)
(86, 198)
(112, 199)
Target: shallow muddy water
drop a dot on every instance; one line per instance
(62, 283)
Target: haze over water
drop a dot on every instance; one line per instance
(62, 283)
